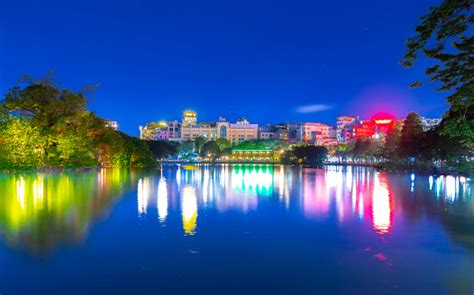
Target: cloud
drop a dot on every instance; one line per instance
(313, 108)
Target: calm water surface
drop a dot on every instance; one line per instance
(236, 229)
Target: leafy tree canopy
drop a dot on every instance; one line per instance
(445, 36)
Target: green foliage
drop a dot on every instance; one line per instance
(44, 126)
(223, 143)
(367, 149)
(210, 149)
(429, 151)
(392, 141)
(21, 144)
(309, 154)
(261, 144)
(186, 149)
(162, 149)
(410, 135)
(198, 143)
(445, 36)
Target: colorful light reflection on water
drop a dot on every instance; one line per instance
(234, 222)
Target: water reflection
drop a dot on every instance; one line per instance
(189, 209)
(162, 200)
(41, 211)
(344, 193)
(381, 205)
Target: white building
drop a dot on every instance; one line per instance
(429, 123)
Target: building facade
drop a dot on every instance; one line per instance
(314, 133)
(238, 132)
(206, 130)
(160, 131)
(429, 123)
(267, 132)
(345, 128)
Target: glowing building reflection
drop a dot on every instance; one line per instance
(189, 210)
(381, 208)
(256, 179)
(162, 200)
(143, 193)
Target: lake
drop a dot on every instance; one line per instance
(236, 229)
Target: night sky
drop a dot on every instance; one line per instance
(269, 61)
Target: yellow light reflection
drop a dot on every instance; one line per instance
(20, 192)
(189, 210)
(40, 210)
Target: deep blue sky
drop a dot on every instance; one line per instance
(259, 59)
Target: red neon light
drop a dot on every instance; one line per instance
(383, 121)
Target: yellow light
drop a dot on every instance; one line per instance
(189, 210)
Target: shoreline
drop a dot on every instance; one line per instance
(377, 166)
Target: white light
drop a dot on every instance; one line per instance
(162, 201)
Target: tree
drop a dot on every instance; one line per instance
(198, 143)
(21, 144)
(210, 149)
(445, 35)
(411, 134)
(186, 148)
(162, 149)
(392, 142)
(223, 144)
(43, 125)
(310, 154)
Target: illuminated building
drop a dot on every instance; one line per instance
(150, 130)
(189, 118)
(190, 129)
(344, 128)
(203, 129)
(238, 132)
(429, 123)
(314, 133)
(263, 155)
(365, 129)
(160, 131)
(282, 131)
(379, 124)
(174, 130)
(267, 133)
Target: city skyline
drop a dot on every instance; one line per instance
(153, 60)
